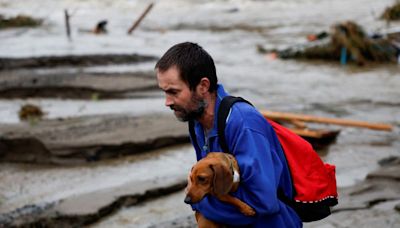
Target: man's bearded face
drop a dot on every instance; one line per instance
(193, 110)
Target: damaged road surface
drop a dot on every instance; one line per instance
(374, 202)
(71, 60)
(80, 195)
(88, 138)
(58, 172)
(76, 85)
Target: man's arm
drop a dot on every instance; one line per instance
(260, 169)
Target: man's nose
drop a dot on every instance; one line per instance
(168, 101)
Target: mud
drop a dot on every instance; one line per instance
(373, 202)
(33, 191)
(88, 138)
(81, 194)
(71, 60)
(76, 85)
(86, 209)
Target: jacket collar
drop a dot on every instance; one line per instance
(221, 93)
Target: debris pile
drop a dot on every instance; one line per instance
(19, 21)
(30, 112)
(346, 42)
(392, 13)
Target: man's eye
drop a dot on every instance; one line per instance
(171, 91)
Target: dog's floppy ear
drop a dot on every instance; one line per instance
(223, 179)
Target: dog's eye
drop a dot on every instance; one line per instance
(201, 179)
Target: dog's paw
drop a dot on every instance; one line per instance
(247, 210)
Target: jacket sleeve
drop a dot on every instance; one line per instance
(259, 172)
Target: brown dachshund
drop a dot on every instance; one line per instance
(216, 174)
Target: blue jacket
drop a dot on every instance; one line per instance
(263, 170)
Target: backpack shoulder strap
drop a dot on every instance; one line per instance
(194, 138)
(223, 111)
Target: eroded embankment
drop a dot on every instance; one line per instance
(64, 77)
(85, 209)
(77, 85)
(65, 196)
(88, 138)
(72, 60)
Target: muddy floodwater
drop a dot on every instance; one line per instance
(230, 31)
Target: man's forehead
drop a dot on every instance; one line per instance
(170, 78)
(171, 73)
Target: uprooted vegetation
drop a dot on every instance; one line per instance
(392, 13)
(30, 112)
(19, 21)
(347, 42)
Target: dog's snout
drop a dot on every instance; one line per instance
(188, 200)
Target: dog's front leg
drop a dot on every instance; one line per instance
(242, 206)
(203, 222)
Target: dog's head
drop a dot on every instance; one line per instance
(208, 176)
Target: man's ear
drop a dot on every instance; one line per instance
(203, 86)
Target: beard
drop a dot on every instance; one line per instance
(184, 115)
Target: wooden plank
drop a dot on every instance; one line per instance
(298, 124)
(317, 134)
(309, 118)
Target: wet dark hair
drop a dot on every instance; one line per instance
(193, 63)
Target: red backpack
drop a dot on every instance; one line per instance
(314, 182)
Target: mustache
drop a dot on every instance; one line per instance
(175, 108)
(192, 114)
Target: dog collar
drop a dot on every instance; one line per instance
(236, 176)
(235, 173)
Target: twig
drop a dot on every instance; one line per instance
(137, 22)
(67, 26)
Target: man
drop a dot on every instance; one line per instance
(187, 75)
